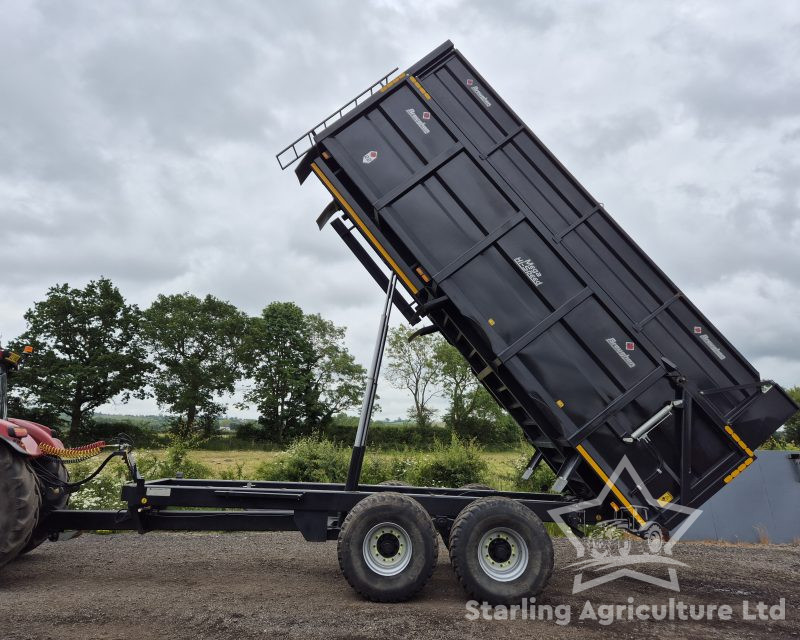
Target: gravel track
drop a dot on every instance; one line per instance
(275, 585)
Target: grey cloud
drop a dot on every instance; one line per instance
(601, 135)
(714, 99)
(179, 90)
(137, 141)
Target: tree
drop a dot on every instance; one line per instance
(302, 374)
(339, 380)
(195, 345)
(473, 412)
(791, 430)
(87, 350)
(412, 366)
(458, 381)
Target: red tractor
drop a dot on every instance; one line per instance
(32, 484)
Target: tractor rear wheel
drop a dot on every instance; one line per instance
(52, 475)
(19, 504)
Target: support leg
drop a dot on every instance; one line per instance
(357, 457)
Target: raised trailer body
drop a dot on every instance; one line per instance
(566, 321)
(599, 357)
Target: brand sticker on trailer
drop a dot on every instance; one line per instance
(529, 269)
(478, 94)
(422, 126)
(714, 348)
(369, 156)
(612, 342)
(163, 492)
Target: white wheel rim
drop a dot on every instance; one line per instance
(387, 549)
(654, 541)
(503, 554)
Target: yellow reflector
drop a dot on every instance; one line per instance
(393, 82)
(416, 83)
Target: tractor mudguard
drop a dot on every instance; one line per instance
(34, 434)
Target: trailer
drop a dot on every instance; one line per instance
(600, 358)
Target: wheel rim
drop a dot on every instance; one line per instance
(503, 554)
(655, 541)
(387, 549)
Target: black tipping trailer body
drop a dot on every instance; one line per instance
(565, 320)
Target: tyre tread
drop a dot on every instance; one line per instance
(22, 501)
(400, 501)
(461, 528)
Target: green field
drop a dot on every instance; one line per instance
(501, 463)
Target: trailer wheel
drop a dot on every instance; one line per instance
(445, 525)
(500, 551)
(387, 547)
(51, 474)
(19, 504)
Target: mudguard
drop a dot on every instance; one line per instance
(28, 444)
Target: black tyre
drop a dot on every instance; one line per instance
(387, 547)
(500, 551)
(444, 525)
(392, 483)
(19, 503)
(51, 474)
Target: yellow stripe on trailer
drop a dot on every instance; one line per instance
(751, 456)
(729, 430)
(335, 192)
(389, 85)
(610, 484)
(416, 83)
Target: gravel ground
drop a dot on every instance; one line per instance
(275, 585)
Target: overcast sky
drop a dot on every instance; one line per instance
(137, 141)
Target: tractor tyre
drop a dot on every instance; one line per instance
(19, 503)
(52, 475)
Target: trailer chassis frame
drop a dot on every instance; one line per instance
(314, 509)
